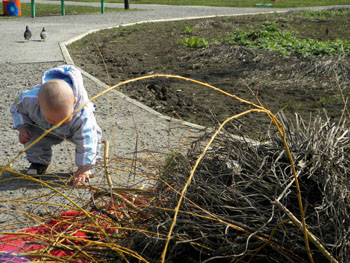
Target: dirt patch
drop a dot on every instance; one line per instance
(292, 84)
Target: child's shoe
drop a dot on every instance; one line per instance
(36, 169)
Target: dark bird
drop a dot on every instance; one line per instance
(43, 34)
(27, 33)
(326, 31)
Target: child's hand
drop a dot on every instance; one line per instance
(24, 135)
(81, 176)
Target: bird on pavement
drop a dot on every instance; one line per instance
(27, 33)
(43, 34)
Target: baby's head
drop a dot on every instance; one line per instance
(56, 100)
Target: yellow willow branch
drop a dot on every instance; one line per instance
(312, 237)
(258, 108)
(300, 202)
(93, 243)
(106, 163)
(211, 216)
(183, 192)
(119, 85)
(28, 177)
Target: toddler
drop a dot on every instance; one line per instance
(45, 105)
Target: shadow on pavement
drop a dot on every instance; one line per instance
(11, 181)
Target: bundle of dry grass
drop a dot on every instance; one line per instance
(328, 68)
(239, 204)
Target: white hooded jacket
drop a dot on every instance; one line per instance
(82, 129)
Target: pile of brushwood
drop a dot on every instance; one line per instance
(242, 202)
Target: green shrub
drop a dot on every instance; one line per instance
(322, 15)
(285, 42)
(195, 42)
(188, 30)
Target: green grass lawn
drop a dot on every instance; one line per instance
(235, 3)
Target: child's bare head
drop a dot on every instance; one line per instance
(56, 100)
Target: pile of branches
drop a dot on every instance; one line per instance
(238, 205)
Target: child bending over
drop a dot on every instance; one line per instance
(45, 105)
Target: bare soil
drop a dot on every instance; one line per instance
(309, 86)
